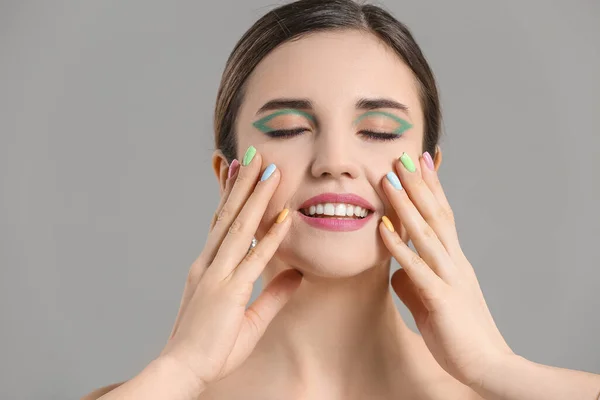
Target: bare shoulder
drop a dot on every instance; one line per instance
(101, 392)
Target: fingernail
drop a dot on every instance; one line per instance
(268, 172)
(407, 162)
(437, 159)
(387, 223)
(282, 215)
(393, 178)
(249, 155)
(428, 160)
(235, 164)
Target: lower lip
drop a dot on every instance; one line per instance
(337, 225)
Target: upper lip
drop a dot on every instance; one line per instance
(347, 198)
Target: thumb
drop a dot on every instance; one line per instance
(272, 299)
(407, 292)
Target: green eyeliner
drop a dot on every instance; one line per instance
(260, 124)
(404, 125)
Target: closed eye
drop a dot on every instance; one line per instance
(369, 135)
(284, 133)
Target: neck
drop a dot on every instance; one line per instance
(337, 332)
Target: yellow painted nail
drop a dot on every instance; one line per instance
(387, 223)
(282, 215)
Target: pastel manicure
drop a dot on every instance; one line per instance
(268, 172)
(407, 162)
(282, 215)
(388, 224)
(393, 178)
(428, 160)
(235, 164)
(250, 153)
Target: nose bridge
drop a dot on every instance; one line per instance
(333, 154)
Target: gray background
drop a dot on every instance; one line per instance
(107, 189)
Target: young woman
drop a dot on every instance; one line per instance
(326, 121)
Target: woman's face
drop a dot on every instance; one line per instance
(346, 76)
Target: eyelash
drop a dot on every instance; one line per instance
(371, 135)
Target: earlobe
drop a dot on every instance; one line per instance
(220, 168)
(437, 159)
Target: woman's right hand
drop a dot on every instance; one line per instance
(214, 332)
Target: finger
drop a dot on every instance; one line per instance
(272, 299)
(427, 282)
(242, 188)
(231, 175)
(422, 235)
(237, 240)
(439, 217)
(257, 258)
(236, 191)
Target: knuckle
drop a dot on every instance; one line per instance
(446, 214)
(253, 255)
(193, 277)
(398, 240)
(223, 213)
(241, 293)
(415, 260)
(270, 235)
(428, 232)
(236, 226)
(195, 272)
(241, 178)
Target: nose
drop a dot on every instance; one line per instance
(334, 156)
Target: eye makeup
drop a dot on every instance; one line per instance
(404, 125)
(261, 123)
(378, 135)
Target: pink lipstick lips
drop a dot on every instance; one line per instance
(340, 212)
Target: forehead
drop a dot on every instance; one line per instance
(332, 68)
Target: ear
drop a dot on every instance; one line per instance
(221, 168)
(437, 159)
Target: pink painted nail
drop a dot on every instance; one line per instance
(428, 160)
(235, 164)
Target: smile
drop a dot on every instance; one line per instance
(338, 212)
(335, 210)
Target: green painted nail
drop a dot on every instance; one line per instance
(407, 162)
(250, 153)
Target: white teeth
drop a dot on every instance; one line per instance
(340, 210)
(337, 209)
(329, 209)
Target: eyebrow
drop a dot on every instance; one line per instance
(305, 104)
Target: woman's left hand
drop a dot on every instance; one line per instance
(438, 285)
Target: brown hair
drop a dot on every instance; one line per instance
(292, 21)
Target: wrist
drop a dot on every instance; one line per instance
(496, 373)
(175, 371)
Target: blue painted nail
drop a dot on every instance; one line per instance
(393, 178)
(268, 172)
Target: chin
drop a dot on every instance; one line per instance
(325, 257)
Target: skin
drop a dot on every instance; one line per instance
(317, 344)
(335, 332)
